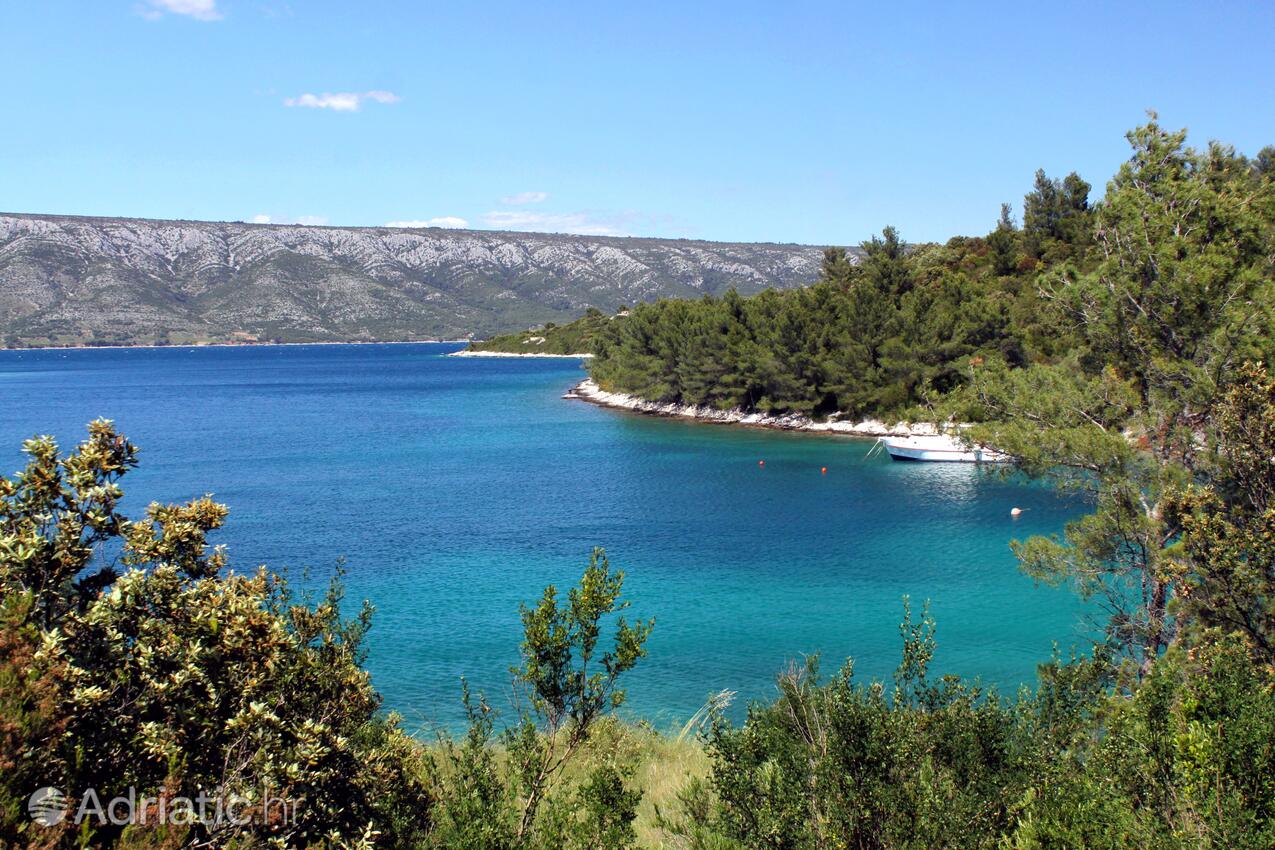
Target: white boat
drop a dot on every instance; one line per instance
(940, 447)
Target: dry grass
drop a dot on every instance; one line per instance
(661, 766)
(671, 764)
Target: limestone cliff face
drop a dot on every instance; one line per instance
(66, 279)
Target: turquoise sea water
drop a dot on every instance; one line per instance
(457, 488)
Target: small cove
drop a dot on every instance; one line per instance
(456, 488)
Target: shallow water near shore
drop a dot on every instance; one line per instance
(456, 488)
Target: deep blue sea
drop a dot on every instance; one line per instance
(456, 488)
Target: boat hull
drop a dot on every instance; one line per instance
(931, 451)
(940, 456)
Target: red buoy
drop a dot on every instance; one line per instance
(823, 470)
(761, 463)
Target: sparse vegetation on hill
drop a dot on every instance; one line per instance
(576, 337)
(68, 280)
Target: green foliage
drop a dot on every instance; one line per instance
(871, 338)
(1160, 326)
(57, 511)
(175, 680)
(1167, 280)
(1004, 243)
(1184, 762)
(926, 764)
(30, 714)
(177, 677)
(1182, 294)
(566, 693)
(1102, 347)
(1069, 428)
(560, 643)
(573, 338)
(1227, 550)
(1056, 217)
(477, 804)
(528, 802)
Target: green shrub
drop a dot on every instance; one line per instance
(175, 678)
(1187, 760)
(133, 660)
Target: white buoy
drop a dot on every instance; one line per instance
(1015, 511)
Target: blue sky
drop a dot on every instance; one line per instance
(774, 121)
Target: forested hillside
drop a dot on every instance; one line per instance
(911, 323)
(577, 337)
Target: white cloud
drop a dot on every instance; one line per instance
(338, 102)
(524, 198)
(441, 221)
(311, 220)
(584, 224)
(341, 101)
(200, 10)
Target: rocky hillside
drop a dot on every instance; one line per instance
(71, 280)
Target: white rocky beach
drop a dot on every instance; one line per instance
(465, 352)
(589, 391)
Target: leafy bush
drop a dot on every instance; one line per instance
(132, 660)
(174, 680)
(526, 799)
(1186, 761)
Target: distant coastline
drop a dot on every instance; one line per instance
(589, 391)
(249, 278)
(244, 344)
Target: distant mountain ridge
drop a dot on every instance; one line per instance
(76, 280)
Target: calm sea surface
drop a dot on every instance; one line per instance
(457, 488)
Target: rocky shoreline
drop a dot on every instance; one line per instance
(588, 391)
(465, 352)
